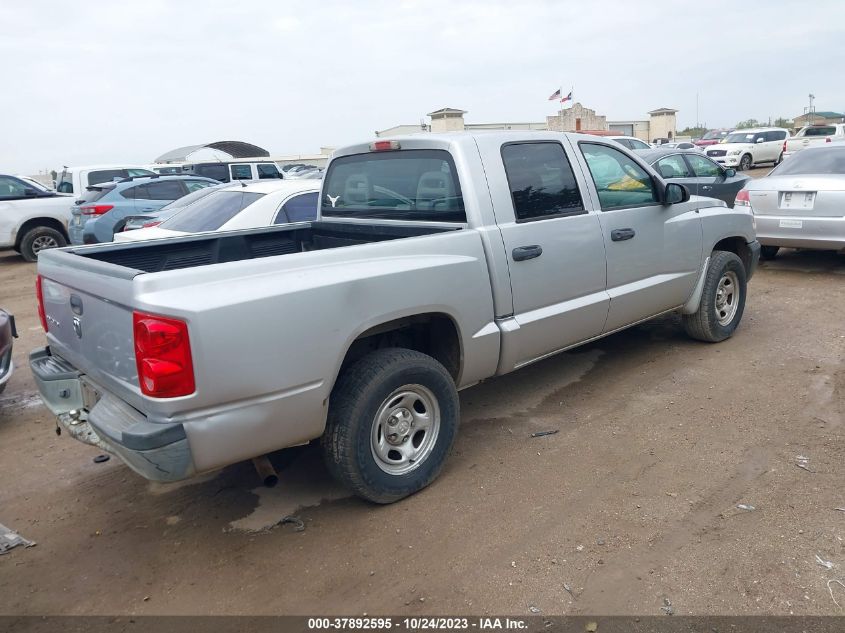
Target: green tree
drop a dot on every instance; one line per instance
(748, 123)
(694, 132)
(781, 122)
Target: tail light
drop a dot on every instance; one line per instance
(149, 224)
(96, 209)
(742, 199)
(39, 292)
(163, 356)
(784, 146)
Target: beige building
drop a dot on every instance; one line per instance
(660, 124)
(817, 118)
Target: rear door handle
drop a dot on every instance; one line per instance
(521, 253)
(620, 235)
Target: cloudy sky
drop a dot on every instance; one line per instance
(90, 82)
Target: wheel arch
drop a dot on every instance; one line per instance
(739, 247)
(434, 333)
(41, 221)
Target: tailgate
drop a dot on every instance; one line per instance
(89, 321)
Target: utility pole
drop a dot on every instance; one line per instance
(811, 111)
(697, 122)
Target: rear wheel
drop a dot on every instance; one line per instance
(779, 160)
(38, 239)
(722, 299)
(745, 162)
(769, 252)
(393, 417)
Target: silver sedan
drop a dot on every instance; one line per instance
(800, 203)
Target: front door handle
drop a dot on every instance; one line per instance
(521, 253)
(620, 235)
(706, 187)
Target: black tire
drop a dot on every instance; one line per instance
(705, 324)
(769, 252)
(39, 238)
(745, 162)
(779, 160)
(364, 390)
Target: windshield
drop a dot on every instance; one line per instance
(713, 135)
(212, 212)
(396, 185)
(828, 160)
(740, 137)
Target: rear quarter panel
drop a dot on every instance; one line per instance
(268, 336)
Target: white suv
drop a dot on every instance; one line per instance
(745, 148)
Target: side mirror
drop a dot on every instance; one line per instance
(759, 140)
(730, 172)
(675, 193)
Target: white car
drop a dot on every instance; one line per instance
(239, 206)
(744, 149)
(630, 142)
(812, 135)
(31, 218)
(76, 179)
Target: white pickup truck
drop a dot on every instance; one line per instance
(437, 261)
(32, 218)
(812, 135)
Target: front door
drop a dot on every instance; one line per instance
(555, 251)
(712, 181)
(653, 250)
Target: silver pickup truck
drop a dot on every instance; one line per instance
(436, 262)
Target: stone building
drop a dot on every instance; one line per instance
(577, 119)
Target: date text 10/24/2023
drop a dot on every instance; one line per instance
(416, 623)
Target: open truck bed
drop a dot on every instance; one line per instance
(217, 248)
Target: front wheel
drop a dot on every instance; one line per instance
(393, 417)
(745, 162)
(722, 299)
(38, 239)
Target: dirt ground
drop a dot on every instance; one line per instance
(632, 503)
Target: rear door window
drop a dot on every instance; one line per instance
(216, 172)
(620, 182)
(541, 181)
(396, 185)
(241, 172)
(165, 190)
(105, 175)
(301, 208)
(211, 212)
(268, 170)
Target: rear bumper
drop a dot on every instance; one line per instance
(156, 450)
(801, 231)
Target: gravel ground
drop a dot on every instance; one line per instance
(634, 502)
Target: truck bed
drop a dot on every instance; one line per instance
(214, 248)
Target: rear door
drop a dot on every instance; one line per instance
(554, 245)
(653, 250)
(154, 195)
(711, 180)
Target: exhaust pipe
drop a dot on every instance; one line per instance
(266, 471)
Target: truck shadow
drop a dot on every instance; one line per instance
(805, 261)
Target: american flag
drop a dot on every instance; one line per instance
(555, 95)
